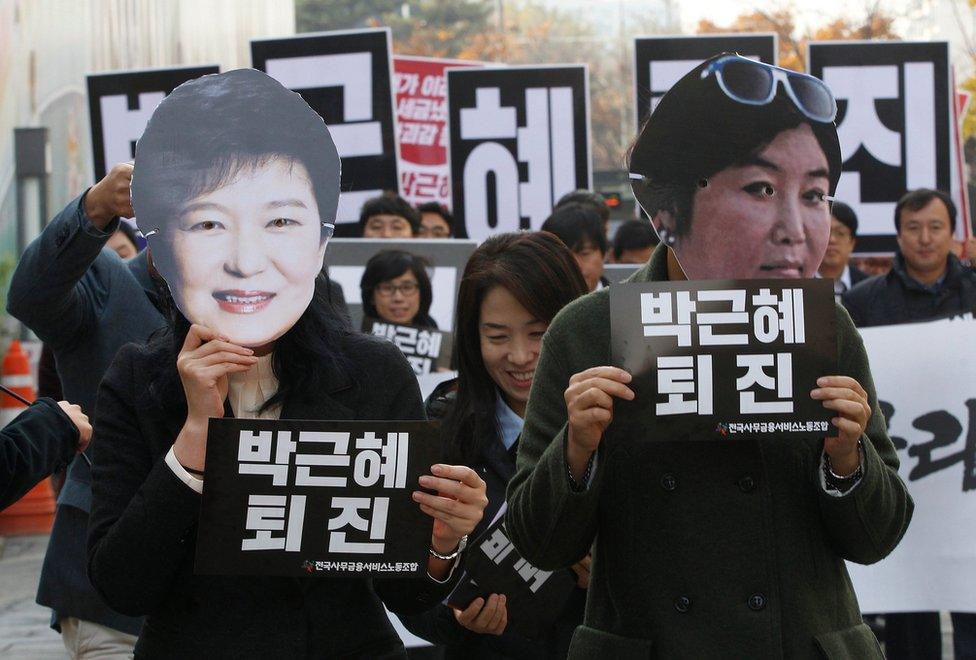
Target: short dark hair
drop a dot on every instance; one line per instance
(575, 223)
(633, 235)
(594, 199)
(920, 198)
(203, 134)
(439, 209)
(389, 203)
(845, 215)
(389, 265)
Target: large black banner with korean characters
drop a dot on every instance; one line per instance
(660, 62)
(728, 356)
(893, 120)
(520, 140)
(534, 598)
(120, 105)
(297, 498)
(346, 77)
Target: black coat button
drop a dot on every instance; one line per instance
(757, 602)
(746, 484)
(682, 604)
(668, 482)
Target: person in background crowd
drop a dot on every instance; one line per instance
(395, 288)
(38, 442)
(836, 261)
(435, 221)
(592, 199)
(633, 243)
(84, 303)
(512, 287)
(579, 226)
(927, 281)
(239, 209)
(124, 243)
(710, 547)
(388, 216)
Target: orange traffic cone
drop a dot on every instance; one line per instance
(34, 512)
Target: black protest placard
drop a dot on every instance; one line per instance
(534, 598)
(659, 62)
(519, 141)
(893, 120)
(286, 497)
(426, 349)
(346, 77)
(120, 105)
(727, 357)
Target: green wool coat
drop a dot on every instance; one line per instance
(708, 548)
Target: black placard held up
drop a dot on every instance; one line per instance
(534, 598)
(346, 77)
(296, 498)
(893, 120)
(726, 357)
(519, 142)
(120, 105)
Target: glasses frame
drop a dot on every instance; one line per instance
(397, 288)
(779, 76)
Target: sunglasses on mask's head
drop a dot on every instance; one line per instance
(754, 83)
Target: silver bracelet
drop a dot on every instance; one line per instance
(853, 475)
(462, 544)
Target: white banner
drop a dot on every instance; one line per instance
(926, 373)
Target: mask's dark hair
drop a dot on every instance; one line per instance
(391, 264)
(211, 129)
(542, 274)
(845, 215)
(439, 209)
(594, 199)
(300, 355)
(915, 200)
(633, 235)
(389, 203)
(697, 131)
(577, 223)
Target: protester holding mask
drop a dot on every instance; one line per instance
(512, 287)
(236, 182)
(396, 288)
(711, 548)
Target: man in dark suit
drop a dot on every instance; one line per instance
(85, 303)
(38, 442)
(836, 261)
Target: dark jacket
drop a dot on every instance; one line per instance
(857, 276)
(144, 523)
(897, 298)
(496, 466)
(704, 548)
(84, 303)
(38, 441)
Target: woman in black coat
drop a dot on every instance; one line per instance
(241, 221)
(512, 287)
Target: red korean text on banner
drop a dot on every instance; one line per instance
(421, 110)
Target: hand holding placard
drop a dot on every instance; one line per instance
(110, 198)
(845, 396)
(589, 401)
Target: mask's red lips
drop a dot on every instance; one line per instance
(784, 269)
(237, 301)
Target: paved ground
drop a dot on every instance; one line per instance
(24, 630)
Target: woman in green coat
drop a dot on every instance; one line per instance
(707, 547)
